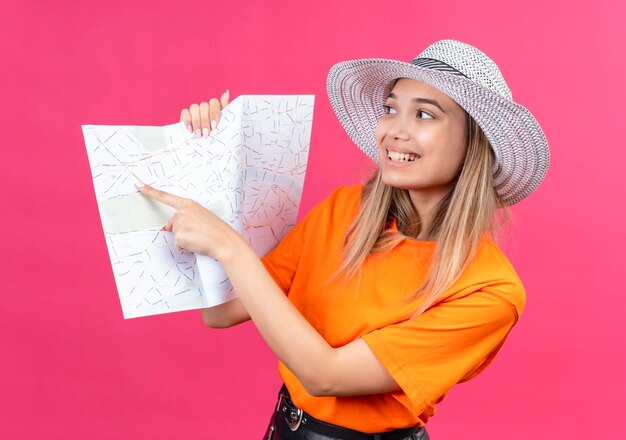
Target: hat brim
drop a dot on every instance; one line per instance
(358, 89)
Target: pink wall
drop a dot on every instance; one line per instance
(70, 366)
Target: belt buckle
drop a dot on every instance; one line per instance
(294, 418)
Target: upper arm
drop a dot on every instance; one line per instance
(449, 343)
(424, 356)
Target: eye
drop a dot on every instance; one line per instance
(422, 112)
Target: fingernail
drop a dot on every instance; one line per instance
(190, 129)
(197, 132)
(227, 94)
(205, 132)
(213, 125)
(139, 185)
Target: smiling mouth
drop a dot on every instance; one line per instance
(394, 156)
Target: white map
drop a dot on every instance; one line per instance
(249, 172)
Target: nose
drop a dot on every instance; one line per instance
(397, 129)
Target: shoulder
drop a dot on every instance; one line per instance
(333, 213)
(492, 273)
(347, 194)
(341, 204)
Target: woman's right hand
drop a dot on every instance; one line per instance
(201, 119)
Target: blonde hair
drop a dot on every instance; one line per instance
(460, 220)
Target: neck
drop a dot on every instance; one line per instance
(425, 203)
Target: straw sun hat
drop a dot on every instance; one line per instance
(358, 89)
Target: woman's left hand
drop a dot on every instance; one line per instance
(195, 228)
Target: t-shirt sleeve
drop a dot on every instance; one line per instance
(282, 261)
(451, 342)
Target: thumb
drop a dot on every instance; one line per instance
(224, 98)
(168, 226)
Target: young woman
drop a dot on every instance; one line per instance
(387, 294)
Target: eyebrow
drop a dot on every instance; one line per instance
(421, 100)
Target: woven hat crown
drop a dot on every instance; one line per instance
(469, 61)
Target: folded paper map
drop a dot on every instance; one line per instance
(249, 172)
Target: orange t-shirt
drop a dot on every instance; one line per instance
(451, 342)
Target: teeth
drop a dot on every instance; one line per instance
(401, 157)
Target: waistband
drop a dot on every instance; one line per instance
(297, 419)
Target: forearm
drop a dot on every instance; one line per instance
(352, 369)
(294, 341)
(225, 315)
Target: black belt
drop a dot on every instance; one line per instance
(296, 419)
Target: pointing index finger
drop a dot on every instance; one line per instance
(161, 196)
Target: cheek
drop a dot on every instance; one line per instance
(379, 132)
(456, 154)
(459, 145)
(444, 152)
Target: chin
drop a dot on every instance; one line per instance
(399, 183)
